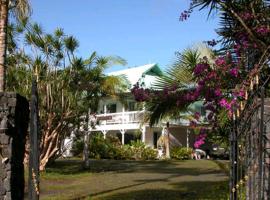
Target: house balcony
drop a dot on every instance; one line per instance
(120, 120)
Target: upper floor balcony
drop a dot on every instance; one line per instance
(130, 117)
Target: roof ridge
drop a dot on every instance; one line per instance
(132, 68)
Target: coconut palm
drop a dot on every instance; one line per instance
(20, 9)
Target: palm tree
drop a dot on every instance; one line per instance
(21, 9)
(68, 85)
(100, 85)
(178, 77)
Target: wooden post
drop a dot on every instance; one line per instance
(261, 148)
(233, 159)
(33, 180)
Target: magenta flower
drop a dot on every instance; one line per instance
(223, 102)
(246, 16)
(263, 30)
(220, 61)
(200, 139)
(218, 92)
(193, 123)
(234, 72)
(185, 15)
(197, 115)
(201, 67)
(211, 75)
(241, 93)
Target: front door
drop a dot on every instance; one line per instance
(156, 135)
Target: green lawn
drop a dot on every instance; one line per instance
(142, 180)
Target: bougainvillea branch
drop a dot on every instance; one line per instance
(224, 84)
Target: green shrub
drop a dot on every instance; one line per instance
(77, 147)
(111, 148)
(138, 144)
(124, 153)
(101, 148)
(149, 154)
(181, 153)
(98, 147)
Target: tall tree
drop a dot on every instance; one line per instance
(68, 85)
(21, 9)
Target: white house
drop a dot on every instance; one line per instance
(127, 121)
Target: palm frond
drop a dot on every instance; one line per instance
(71, 43)
(21, 9)
(89, 61)
(179, 77)
(165, 108)
(180, 73)
(116, 60)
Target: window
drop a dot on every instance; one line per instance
(131, 106)
(111, 108)
(200, 109)
(203, 111)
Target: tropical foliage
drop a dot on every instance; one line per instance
(181, 153)
(163, 99)
(111, 148)
(10, 10)
(68, 85)
(241, 64)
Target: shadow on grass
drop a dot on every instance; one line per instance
(149, 179)
(185, 190)
(224, 165)
(65, 167)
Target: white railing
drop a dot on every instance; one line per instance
(120, 118)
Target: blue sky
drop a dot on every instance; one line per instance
(140, 31)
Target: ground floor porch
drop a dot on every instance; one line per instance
(182, 136)
(179, 136)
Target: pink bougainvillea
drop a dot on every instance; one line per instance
(200, 139)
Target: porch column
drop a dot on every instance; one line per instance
(122, 131)
(188, 138)
(104, 133)
(105, 108)
(143, 130)
(123, 114)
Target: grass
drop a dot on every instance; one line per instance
(132, 180)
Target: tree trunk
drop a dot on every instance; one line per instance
(50, 145)
(168, 156)
(167, 146)
(86, 150)
(3, 41)
(86, 142)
